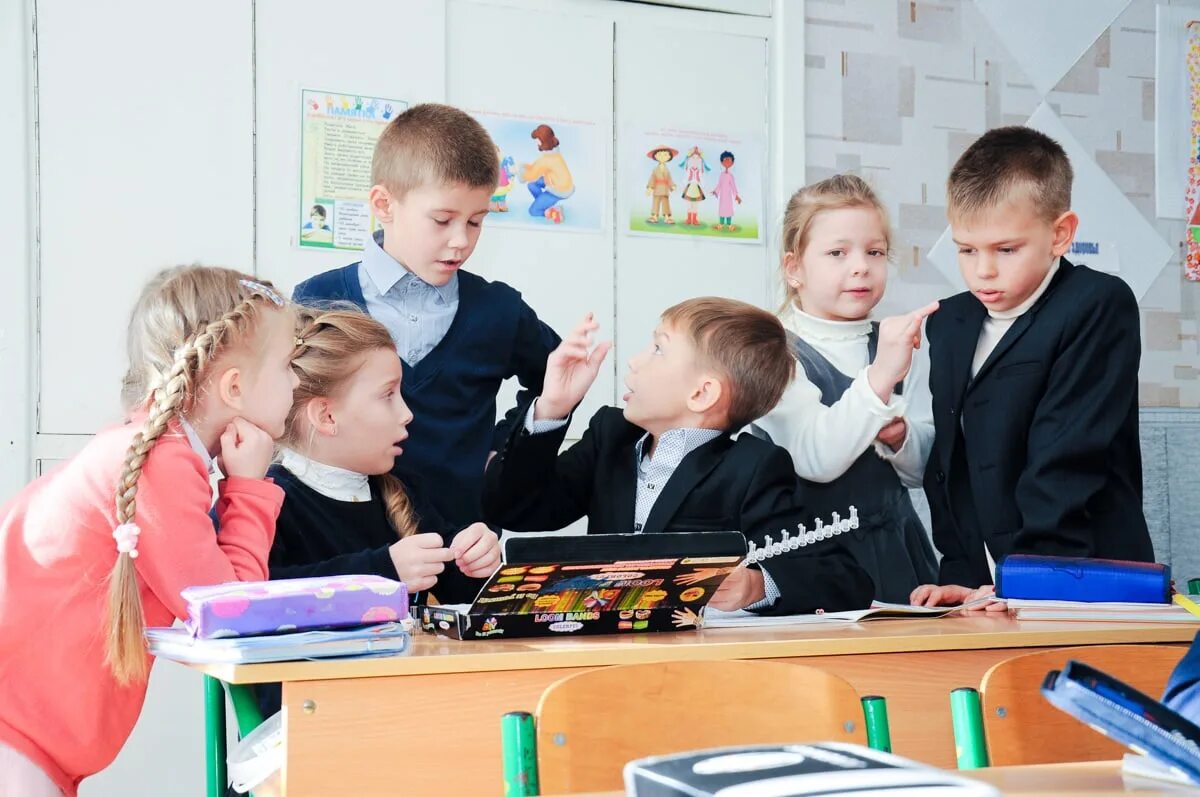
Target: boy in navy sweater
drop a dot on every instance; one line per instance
(458, 336)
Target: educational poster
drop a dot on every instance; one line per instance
(692, 183)
(1191, 263)
(552, 173)
(337, 140)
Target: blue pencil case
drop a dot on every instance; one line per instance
(1065, 578)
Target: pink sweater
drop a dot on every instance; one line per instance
(59, 703)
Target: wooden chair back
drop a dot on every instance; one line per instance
(589, 725)
(1022, 727)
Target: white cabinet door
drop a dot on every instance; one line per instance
(145, 161)
(540, 67)
(394, 50)
(703, 84)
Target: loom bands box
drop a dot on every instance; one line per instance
(595, 584)
(251, 608)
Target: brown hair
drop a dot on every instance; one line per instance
(832, 193)
(545, 137)
(183, 320)
(333, 345)
(1005, 160)
(433, 144)
(746, 344)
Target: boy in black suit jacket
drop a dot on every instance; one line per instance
(1034, 380)
(668, 463)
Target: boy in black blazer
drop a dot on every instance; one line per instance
(669, 463)
(1034, 380)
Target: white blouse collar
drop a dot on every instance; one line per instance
(328, 480)
(194, 441)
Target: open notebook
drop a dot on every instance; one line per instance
(715, 618)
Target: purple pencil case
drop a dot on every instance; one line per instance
(249, 608)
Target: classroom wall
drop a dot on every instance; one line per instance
(896, 90)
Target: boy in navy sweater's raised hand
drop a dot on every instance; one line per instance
(458, 336)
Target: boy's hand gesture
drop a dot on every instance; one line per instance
(744, 587)
(899, 336)
(570, 371)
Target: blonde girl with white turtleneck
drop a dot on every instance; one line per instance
(857, 420)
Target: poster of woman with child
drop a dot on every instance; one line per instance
(552, 173)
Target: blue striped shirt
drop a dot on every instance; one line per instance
(417, 314)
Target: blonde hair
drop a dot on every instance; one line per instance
(833, 193)
(1006, 160)
(746, 344)
(431, 144)
(333, 345)
(183, 320)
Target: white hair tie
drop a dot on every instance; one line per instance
(126, 536)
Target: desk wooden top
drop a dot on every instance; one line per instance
(431, 655)
(1098, 778)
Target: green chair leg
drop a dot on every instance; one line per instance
(966, 711)
(245, 708)
(879, 731)
(519, 743)
(214, 737)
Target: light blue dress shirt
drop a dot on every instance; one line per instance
(418, 315)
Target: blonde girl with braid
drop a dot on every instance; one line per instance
(344, 511)
(100, 548)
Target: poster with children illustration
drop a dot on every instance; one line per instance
(694, 183)
(337, 139)
(552, 173)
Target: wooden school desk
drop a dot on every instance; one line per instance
(430, 720)
(1097, 779)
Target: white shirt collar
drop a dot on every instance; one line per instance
(810, 327)
(673, 445)
(1023, 307)
(328, 480)
(196, 444)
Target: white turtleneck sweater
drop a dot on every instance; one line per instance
(328, 480)
(997, 323)
(825, 441)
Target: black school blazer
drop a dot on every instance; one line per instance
(746, 484)
(1039, 452)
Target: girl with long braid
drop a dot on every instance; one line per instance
(96, 550)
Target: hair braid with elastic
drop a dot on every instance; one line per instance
(126, 647)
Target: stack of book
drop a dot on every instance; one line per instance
(1110, 612)
(178, 644)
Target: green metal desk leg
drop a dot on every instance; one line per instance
(214, 736)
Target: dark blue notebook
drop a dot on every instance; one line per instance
(1126, 715)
